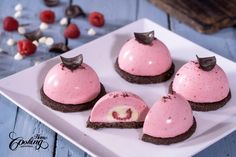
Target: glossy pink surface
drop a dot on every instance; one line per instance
(168, 117)
(67, 87)
(144, 60)
(201, 86)
(113, 100)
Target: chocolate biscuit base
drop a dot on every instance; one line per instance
(171, 140)
(145, 79)
(207, 106)
(121, 125)
(70, 107)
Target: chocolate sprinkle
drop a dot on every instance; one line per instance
(115, 96)
(59, 48)
(207, 63)
(145, 38)
(124, 94)
(72, 63)
(34, 35)
(74, 11)
(24, 25)
(51, 3)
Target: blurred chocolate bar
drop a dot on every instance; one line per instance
(206, 16)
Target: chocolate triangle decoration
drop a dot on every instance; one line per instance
(74, 11)
(51, 3)
(34, 35)
(145, 38)
(207, 63)
(72, 63)
(59, 48)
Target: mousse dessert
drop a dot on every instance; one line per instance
(170, 120)
(71, 86)
(144, 60)
(203, 83)
(118, 110)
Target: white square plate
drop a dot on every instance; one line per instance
(23, 89)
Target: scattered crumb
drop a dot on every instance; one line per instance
(36, 43)
(49, 41)
(21, 30)
(11, 42)
(17, 14)
(43, 26)
(91, 32)
(64, 21)
(42, 40)
(18, 56)
(169, 120)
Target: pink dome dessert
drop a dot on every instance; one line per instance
(205, 89)
(144, 59)
(71, 86)
(118, 110)
(170, 120)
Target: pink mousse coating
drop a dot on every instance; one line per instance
(113, 99)
(71, 87)
(169, 117)
(201, 86)
(144, 60)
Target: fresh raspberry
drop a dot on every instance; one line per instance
(47, 16)
(72, 31)
(10, 24)
(96, 19)
(117, 116)
(26, 47)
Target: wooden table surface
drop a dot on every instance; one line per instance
(117, 14)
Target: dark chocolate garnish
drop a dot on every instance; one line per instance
(34, 35)
(207, 63)
(145, 38)
(51, 3)
(74, 11)
(72, 63)
(4, 52)
(24, 25)
(59, 48)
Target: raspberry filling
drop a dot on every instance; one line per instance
(116, 115)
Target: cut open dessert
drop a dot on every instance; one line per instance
(118, 110)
